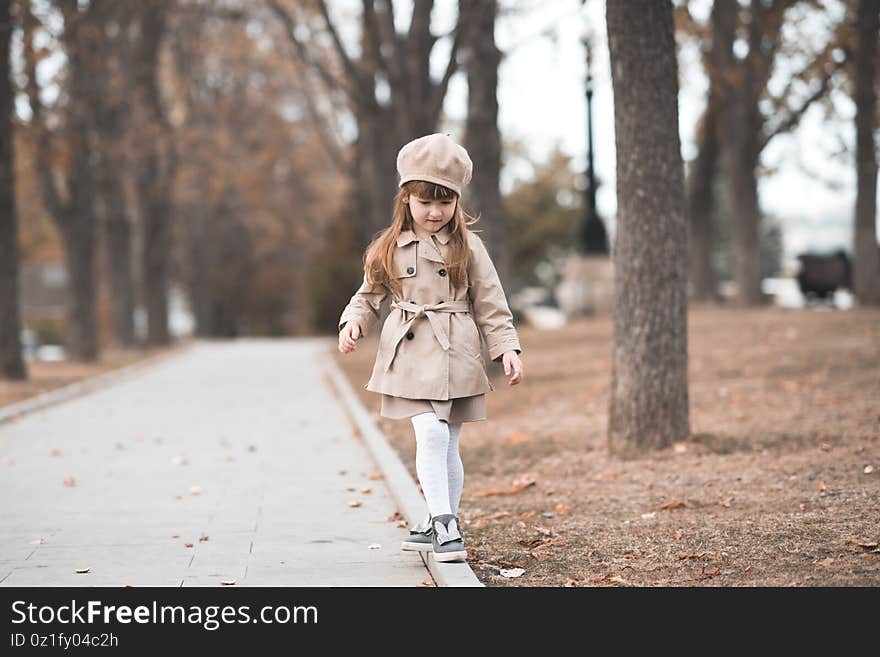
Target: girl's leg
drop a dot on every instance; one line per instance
(454, 467)
(432, 447)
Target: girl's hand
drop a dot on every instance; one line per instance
(348, 337)
(514, 364)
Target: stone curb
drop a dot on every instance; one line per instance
(50, 397)
(401, 484)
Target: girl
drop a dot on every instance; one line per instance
(446, 298)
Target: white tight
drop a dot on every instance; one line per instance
(438, 462)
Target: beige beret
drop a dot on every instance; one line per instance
(437, 159)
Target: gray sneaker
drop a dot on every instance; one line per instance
(447, 542)
(419, 539)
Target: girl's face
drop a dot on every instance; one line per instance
(431, 214)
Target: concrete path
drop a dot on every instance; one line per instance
(234, 447)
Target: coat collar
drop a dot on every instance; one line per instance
(407, 236)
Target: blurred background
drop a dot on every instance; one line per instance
(215, 168)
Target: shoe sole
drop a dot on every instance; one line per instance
(450, 556)
(416, 547)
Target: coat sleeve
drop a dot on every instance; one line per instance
(364, 306)
(491, 312)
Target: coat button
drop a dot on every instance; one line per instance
(442, 272)
(410, 335)
(409, 270)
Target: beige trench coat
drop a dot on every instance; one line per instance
(430, 344)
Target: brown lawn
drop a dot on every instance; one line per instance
(779, 484)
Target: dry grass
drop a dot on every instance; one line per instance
(771, 490)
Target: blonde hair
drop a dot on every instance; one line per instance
(379, 255)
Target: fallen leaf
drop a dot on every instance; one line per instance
(195, 490)
(543, 530)
(678, 535)
(863, 543)
(708, 574)
(355, 503)
(366, 489)
(55, 452)
(671, 505)
(227, 582)
(826, 563)
(517, 437)
(803, 506)
(726, 503)
(825, 447)
(189, 545)
(497, 514)
(175, 535)
(570, 582)
(526, 514)
(694, 555)
(516, 488)
(608, 474)
(822, 487)
(561, 509)
(375, 475)
(511, 572)
(83, 570)
(69, 481)
(748, 568)
(425, 582)
(203, 537)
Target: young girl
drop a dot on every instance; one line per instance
(446, 297)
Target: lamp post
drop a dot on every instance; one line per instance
(592, 238)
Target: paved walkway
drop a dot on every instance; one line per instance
(237, 443)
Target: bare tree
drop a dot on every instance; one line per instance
(398, 65)
(11, 363)
(70, 203)
(155, 167)
(866, 275)
(482, 136)
(649, 387)
(744, 130)
(111, 111)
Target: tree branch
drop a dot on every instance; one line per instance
(794, 116)
(43, 162)
(302, 52)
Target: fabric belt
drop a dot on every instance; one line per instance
(430, 311)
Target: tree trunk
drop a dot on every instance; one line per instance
(11, 363)
(649, 388)
(154, 173)
(482, 137)
(866, 262)
(110, 122)
(81, 340)
(740, 124)
(701, 201)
